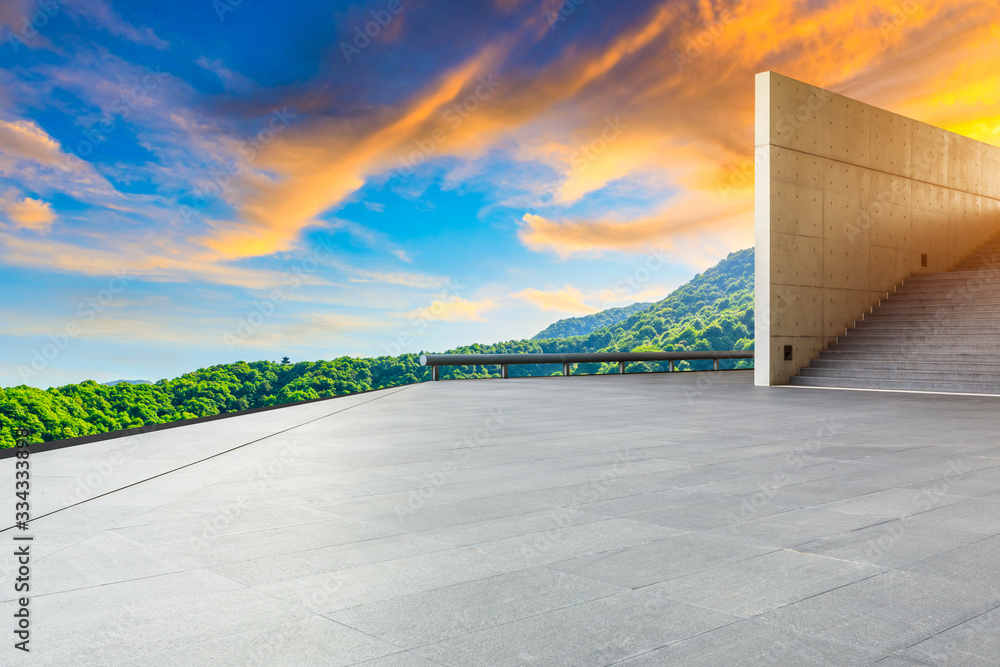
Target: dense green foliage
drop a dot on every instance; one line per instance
(581, 326)
(714, 311)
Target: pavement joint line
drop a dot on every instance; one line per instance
(968, 620)
(231, 449)
(679, 641)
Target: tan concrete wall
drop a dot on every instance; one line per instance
(848, 199)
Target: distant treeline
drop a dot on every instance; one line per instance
(714, 311)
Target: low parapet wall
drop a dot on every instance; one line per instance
(850, 201)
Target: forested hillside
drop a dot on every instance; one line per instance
(714, 311)
(581, 326)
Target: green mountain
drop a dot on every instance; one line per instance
(581, 326)
(714, 311)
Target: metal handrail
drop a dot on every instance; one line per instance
(435, 361)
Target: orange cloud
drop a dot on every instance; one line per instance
(454, 310)
(689, 217)
(28, 213)
(567, 300)
(23, 139)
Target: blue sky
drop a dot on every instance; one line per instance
(195, 183)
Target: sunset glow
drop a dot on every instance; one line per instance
(439, 173)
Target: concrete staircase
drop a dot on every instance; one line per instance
(936, 332)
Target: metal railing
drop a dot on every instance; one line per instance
(436, 361)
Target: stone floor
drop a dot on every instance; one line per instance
(657, 519)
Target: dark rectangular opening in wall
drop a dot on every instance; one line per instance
(788, 353)
(923, 260)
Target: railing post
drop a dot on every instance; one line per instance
(503, 371)
(435, 373)
(715, 364)
(621, 368)
(566, 369)
(671, 366)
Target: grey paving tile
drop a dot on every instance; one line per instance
(491, 530)
(969, 563)
(103, 559)
(309, 641)
(710, 512)
(894, 503)
(566, 540)
(646, 564)
(456, 610)
(898, 660)
(777, 482)
(341, 588)
(361, 510)
(167, 589)
(755, 585)
(401, 659)
(977, 515)
(816, 492)
(219, 520)
(974, 643)
(642, 502)
(891, 544)
(207, 549)
(116, 630)
(856, 614)
(944, 469)
(976, 483)
(593, 633)
(795, 527)
(751, 644)
(273, 569)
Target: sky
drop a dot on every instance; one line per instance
(204, 181)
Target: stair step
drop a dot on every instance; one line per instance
(883, 374)
(890, 347)
(933, 332)
(915, 308)
(898, 365)
(910, 356)
(986, 291)
(984, 274)
(943, 336)
(851, 383)
(905, 321)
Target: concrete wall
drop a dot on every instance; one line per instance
(849, 198)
